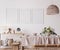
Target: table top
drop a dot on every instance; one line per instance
(48, 45)
(15, 44)
(6, 47)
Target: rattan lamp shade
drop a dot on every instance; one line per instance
(52, 10)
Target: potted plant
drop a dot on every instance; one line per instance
(48, 31)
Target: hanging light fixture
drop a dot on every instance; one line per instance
(52, 10)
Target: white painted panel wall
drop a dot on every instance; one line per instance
(52, 20)
(31, 16)
(2, 16)
(11, 16)
(24, 16)
(37, 16)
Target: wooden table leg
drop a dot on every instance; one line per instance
(22, 47)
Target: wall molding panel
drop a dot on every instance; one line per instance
(24, 16)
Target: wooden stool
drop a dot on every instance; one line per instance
(15, 46)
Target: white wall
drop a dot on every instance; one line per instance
(48, 20)
(27, 3)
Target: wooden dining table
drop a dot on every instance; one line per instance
(5, 48)
(42, 47)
